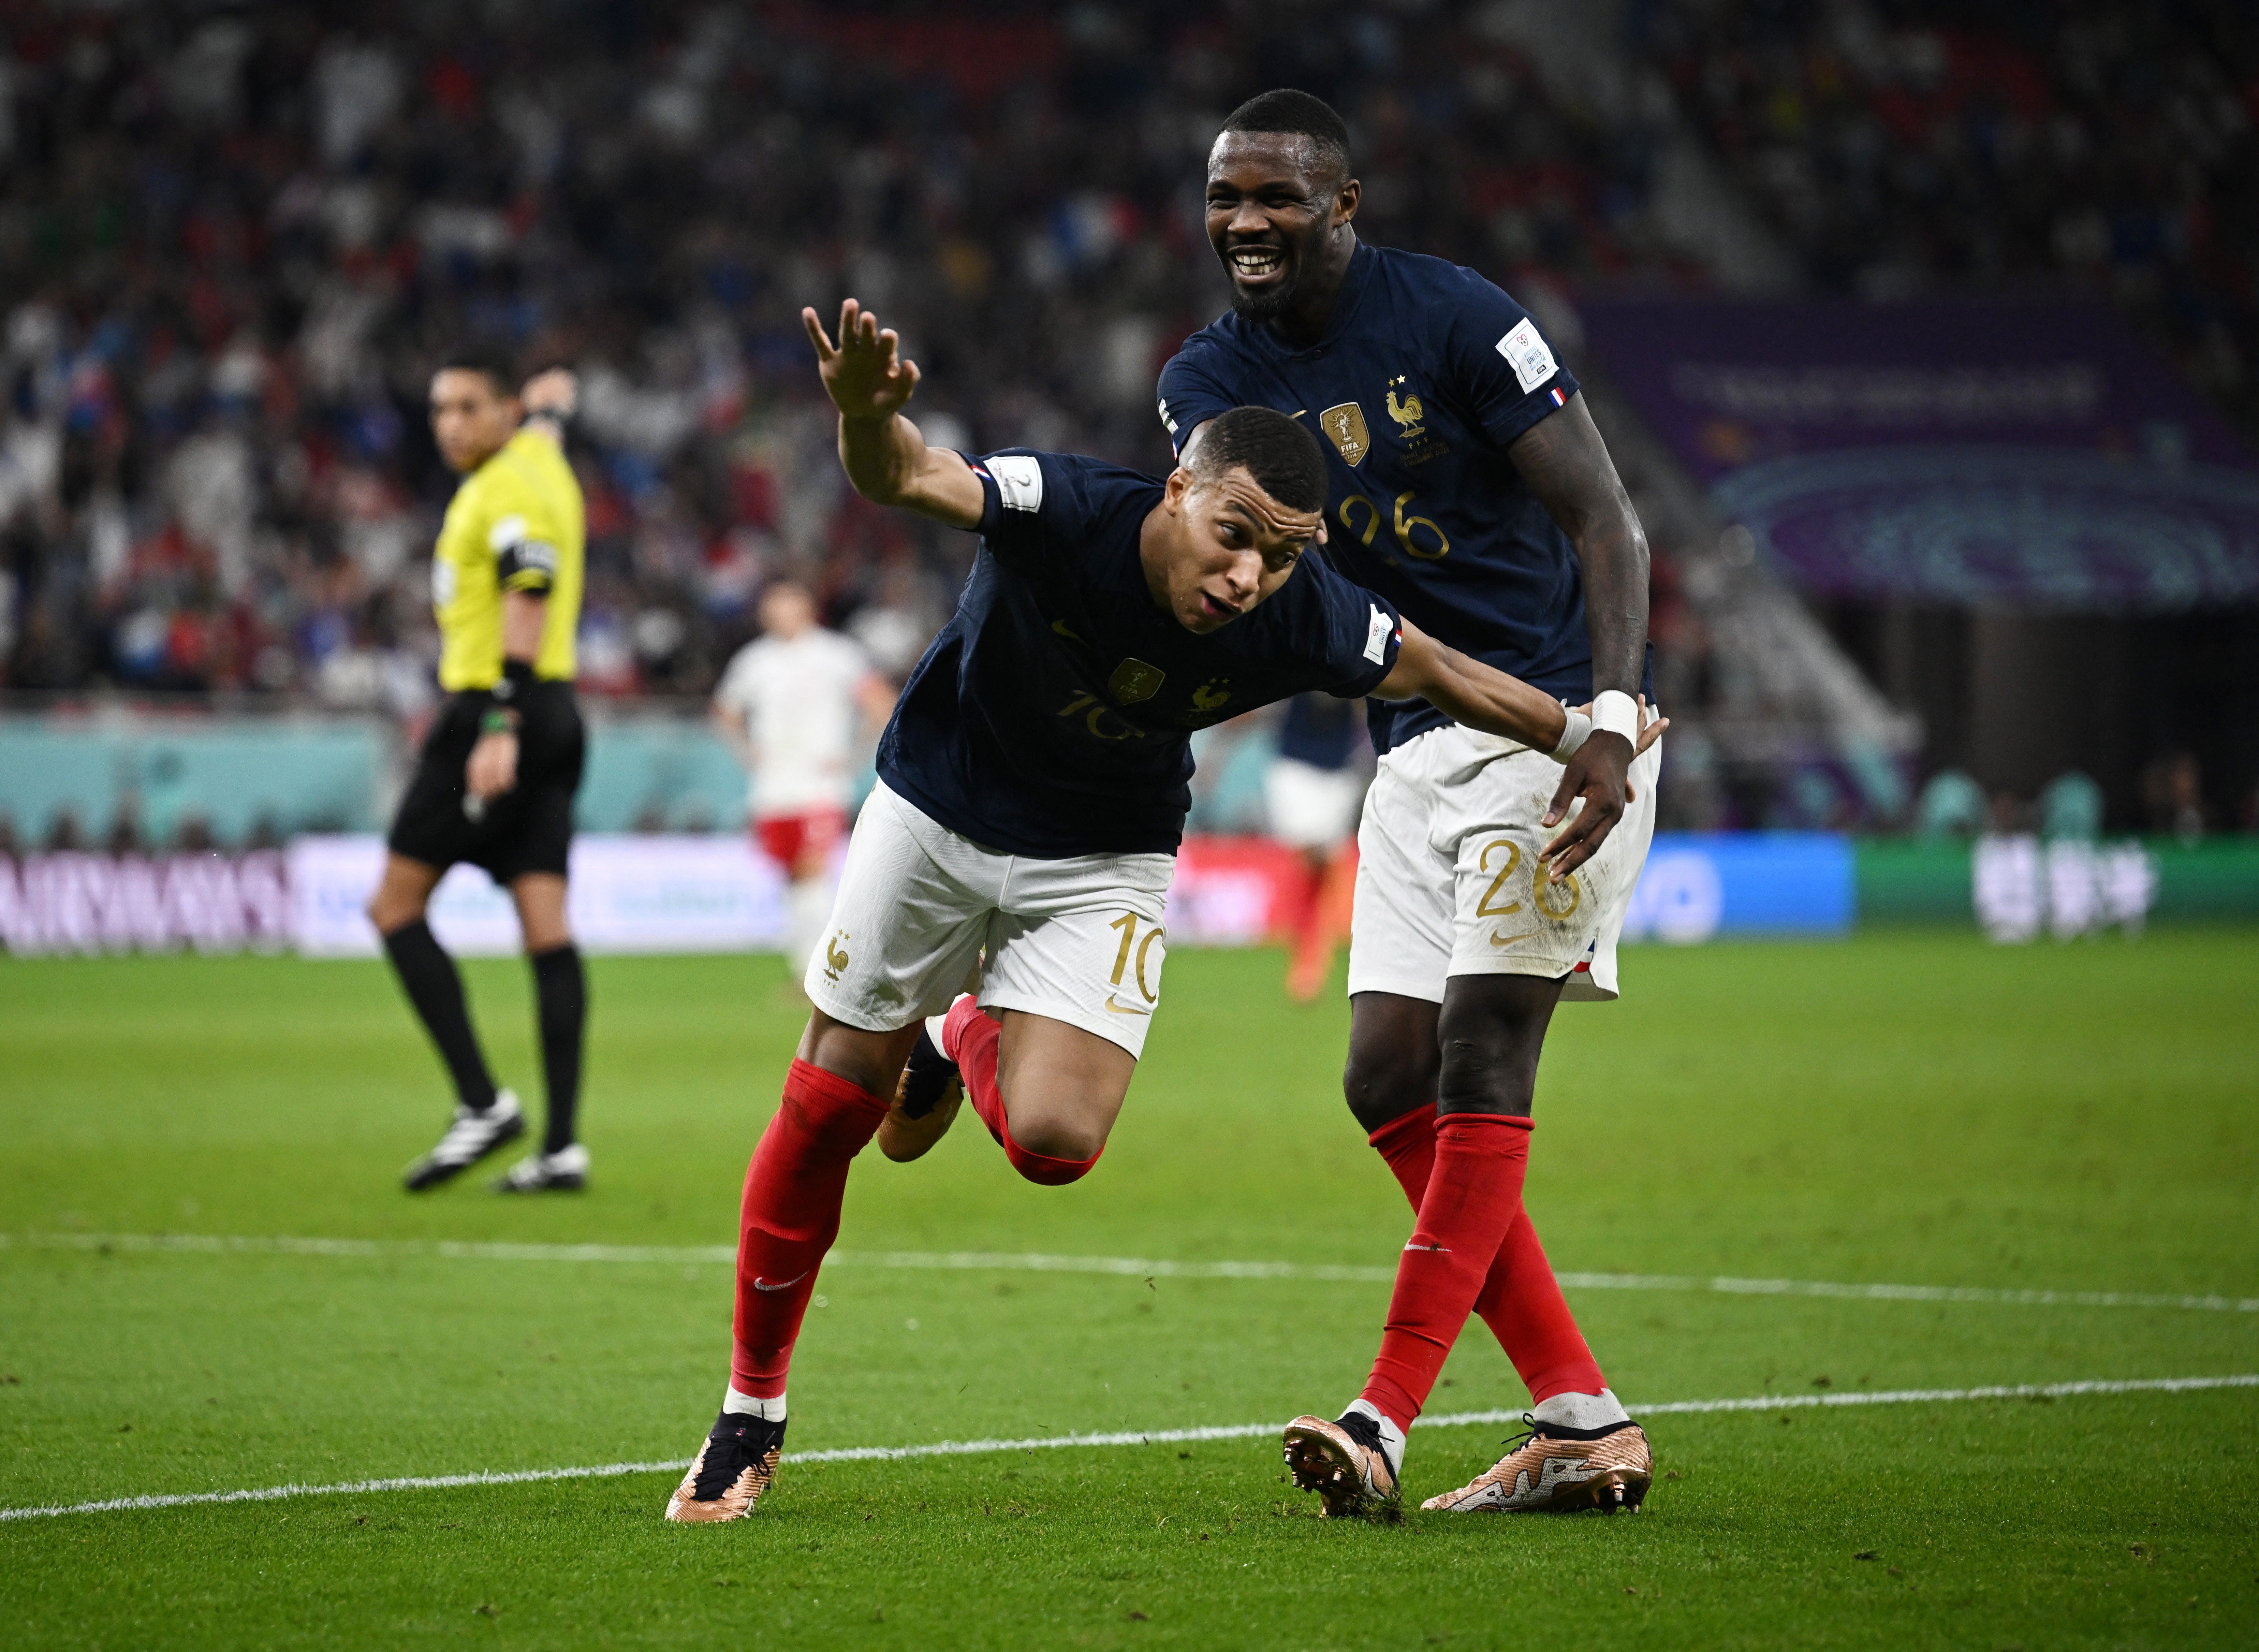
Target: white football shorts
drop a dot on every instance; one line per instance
(1448, 878)
(1311, 807)
(1079, 940)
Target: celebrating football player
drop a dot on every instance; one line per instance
(1032, 792)
(1468, 489)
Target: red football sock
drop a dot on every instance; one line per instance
(1520, 1299)
(1472, 1195)
(791, 1215)
(970, 1039)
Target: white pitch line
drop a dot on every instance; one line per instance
(1130, 1437)
(1131, 1267)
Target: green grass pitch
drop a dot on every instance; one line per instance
(1916, 1109)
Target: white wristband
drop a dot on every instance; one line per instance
(1616, 712)
(1572, 735)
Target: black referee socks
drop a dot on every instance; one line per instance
(428, 976)
(561, 989)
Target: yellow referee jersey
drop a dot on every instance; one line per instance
(514, 524)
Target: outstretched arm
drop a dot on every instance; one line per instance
(1467, 691)
(885, 456)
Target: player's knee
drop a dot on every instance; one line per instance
(1381, 1085)
(1480, 1078)
(388, 912)
(1050, 1170)
(1065, 1139)
(1052, 1144)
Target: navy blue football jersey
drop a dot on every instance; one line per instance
(1319, 730)
(1425, 376)
(1053, 715)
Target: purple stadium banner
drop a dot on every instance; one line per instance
(2037, 454)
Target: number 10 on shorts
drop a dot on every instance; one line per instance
(1130, 960)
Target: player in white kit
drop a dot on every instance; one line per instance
(796, 704)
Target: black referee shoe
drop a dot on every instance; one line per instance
(470, 1138)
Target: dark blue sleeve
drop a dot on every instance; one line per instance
(1191, 393)
(1345, 639)
(1030, 502)
(1504, 367)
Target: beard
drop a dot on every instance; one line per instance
(1271, 302)
(1266, 306)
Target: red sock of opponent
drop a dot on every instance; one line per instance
(1473, 1195)
(791, 1215)
(1520, 1299)
(970, 1039)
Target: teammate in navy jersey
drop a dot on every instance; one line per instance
(1032, 789)
(1467, 488)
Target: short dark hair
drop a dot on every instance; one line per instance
(1284, 459)
(1289, 110)
(498, 362)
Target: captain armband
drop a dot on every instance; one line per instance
(528, 568)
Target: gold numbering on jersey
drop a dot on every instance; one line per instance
(1127, 924)
(1094, 708)
(1404, 526)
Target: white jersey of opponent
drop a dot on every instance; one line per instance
(797, 699)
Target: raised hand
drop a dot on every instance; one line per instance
(553, 392)
(866, 375)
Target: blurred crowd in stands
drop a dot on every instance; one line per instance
(1916, 146)
(234, 238)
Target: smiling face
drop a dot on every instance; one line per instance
(1279, 212)
(1218, 544)
(471, 417)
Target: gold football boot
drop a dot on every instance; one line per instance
(1345, 1463)
(926, 1098)
(1551, 1474)
(733, 1468)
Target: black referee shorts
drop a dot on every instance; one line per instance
(528, 828)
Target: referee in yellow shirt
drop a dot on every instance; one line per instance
(494, 783)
